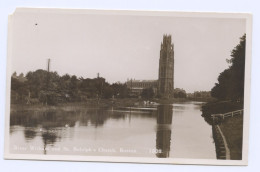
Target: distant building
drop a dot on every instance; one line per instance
(137, 86)
(166, 68)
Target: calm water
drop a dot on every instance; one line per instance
(176, 131)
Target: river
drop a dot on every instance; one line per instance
(163, 131)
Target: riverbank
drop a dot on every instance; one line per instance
(94, 103)
(219, 108)
(72, 106)
(231, 127)
(202, 99)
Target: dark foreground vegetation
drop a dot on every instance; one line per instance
(232, 128)
(219, 107)
(229, 92)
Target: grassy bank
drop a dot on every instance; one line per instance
(76, 105)
(219, 108)
(232, 129)
(93, 103)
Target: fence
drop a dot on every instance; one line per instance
(229, 114)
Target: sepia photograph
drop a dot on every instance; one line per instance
(128, 86)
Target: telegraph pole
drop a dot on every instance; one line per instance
(48, 67)
(48, 78)
(48, 73)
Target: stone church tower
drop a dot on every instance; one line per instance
(166, 68)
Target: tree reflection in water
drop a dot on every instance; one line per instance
(141, 127)
(163, 134)
(49, 138)
(49, 125)
(30, 133)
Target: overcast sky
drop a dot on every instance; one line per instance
(120, 47)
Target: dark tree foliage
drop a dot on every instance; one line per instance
(49, 88)
(179, 94)
(107, 92)
(147, 93)
(230, 84)
(120, 90)
(36, 82)
(19, 90)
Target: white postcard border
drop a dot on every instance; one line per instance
(244, 161)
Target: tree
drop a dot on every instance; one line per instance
(120, 90)
(14, 74)
(179, 93)
(230, 84)
(19, 90)
(147, 93)
(107, 92)
(73, 88)
(36, 82)
(44, 86)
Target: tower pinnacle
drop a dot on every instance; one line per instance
(166, 68)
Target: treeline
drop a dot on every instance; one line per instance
(150, 93)
(49, 88)
(230, 84)
(179, 93)
(229, 91)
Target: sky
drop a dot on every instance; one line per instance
(119, 47)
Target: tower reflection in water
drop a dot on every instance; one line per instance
(163, 133)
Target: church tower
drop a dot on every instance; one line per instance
(166, 68)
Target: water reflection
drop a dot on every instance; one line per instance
(48, 138)
(29, 133)
(163, 134)
(95, 117)
(139, 128)
(49, 124)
